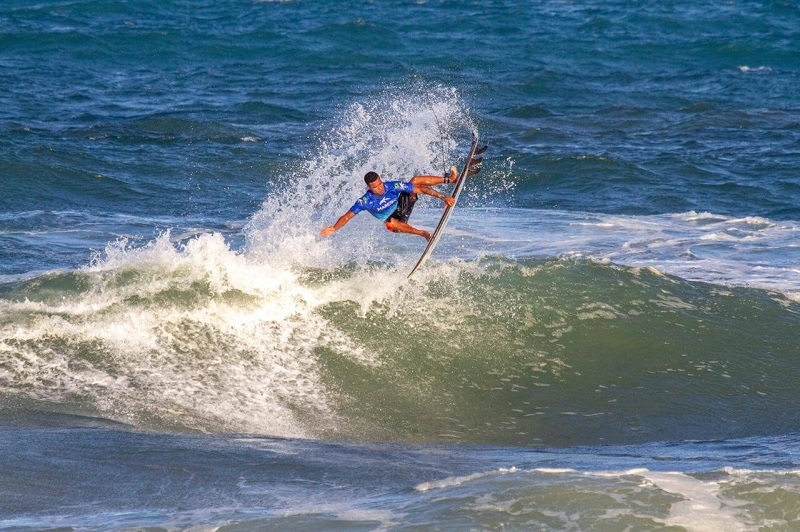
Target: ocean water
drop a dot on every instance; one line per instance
(606, 338)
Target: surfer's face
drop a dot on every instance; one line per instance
(376, 187)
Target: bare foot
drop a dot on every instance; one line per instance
(453, 175)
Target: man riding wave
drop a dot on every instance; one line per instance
(392, 201)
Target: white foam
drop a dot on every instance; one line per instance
(745, 251)
(702, 505)
(746, 69)
(241, 363)
(451, 482)
(704, 508)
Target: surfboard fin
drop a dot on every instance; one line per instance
(475, 164)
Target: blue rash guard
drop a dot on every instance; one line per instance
(381, 207)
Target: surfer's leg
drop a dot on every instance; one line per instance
(427, 180)
(396, 226)
(433, 180)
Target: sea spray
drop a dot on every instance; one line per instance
(397, 135)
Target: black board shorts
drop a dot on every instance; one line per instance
(405, 204)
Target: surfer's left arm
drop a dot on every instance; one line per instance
(422, 189)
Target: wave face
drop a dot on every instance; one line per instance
(565, 352)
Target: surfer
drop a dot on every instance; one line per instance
(392, 201)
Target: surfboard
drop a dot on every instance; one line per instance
(471, 167)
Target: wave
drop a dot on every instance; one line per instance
(491, 351)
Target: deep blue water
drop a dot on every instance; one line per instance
(606, 336)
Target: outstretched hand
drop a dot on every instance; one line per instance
(449, 200)
(327, 231)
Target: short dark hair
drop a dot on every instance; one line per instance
(369, 177)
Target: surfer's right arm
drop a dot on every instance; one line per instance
(422, 189)
(343, 219)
